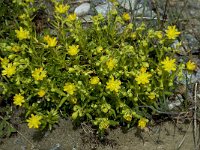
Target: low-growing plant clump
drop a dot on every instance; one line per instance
(110, 72)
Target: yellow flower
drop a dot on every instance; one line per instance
(172, 32)
(94, 80)
(113, 85)
(15, 48)
(152, 95)
(69, 88)
(142, 122)
(159, 34)
(73, 50)
(127, 116)
(111, 63)
(99, 49)
(22, 16)
(105, 107)
(18, 99)
(143, 69)
(73, 100)
(151, 33)
(22, 33)
(104, 124)
(191, 66)
(61, 9)
(4, 62)
(126, 16)
(71, 17)
(34, 121)
(103, 58)
(51, 42)
(158, 71)
(39, 74)
(9, 70)
(41, 93)
(169, 64)
(143, 77)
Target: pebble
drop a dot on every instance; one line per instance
(177, 102)
(104, 8)
(128, 4)
(82, 10)
(56, 147)
(87, 19)
(144, 11)
(23, 147)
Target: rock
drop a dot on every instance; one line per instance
(144, 11)
(82, 10)
(177, 102)
(56, 147)
(140, 7)
(87, 18)
(191, 78)
(194, 77)
(23, 147)
(192, 43)
(128, 4)
(104, 8)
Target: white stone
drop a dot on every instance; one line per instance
(104, 8)
(82, 10)
(127, 4)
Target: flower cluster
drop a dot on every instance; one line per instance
(39, 74)
(103, 73)
(51, 42)
(34, 121)
(69, 88)
(22, 34)
(113, 85)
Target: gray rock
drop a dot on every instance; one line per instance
(177, 102)
(194, 78)
(192, 43)
(191, 78)
(56, 147)
(128, 4)
(23, 147)
(82, 10)
(140, 7)
(104, 8)
(87, 18)
(144, 11)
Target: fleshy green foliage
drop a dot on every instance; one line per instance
(108, 73)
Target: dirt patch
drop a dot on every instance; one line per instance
(166, 136)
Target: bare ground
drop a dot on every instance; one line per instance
(166, 136)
